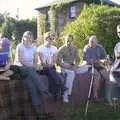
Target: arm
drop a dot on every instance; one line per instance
(35, 62)
(77, 57)
(59, 56)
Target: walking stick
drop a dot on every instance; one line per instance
(90, 90)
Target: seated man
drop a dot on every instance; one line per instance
(5, 59)
(26, 59)
(68, 59)
(95, 54)
(47, 53)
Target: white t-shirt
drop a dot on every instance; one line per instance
(28, 54)
(47, 53)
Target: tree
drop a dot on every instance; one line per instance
(99, 20)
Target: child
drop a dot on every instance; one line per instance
(5, 59)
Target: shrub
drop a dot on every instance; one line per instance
(100, 20)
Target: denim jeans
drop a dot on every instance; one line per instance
(55, 82)
(33, 84)
(111, 91)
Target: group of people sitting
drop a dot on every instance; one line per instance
(36, 61)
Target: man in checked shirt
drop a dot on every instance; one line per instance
(68, 59)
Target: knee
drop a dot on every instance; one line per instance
(71, 74)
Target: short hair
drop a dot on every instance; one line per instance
(93, 38)
(69, 36)
(50, 35)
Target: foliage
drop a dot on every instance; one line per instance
(14, 29)
(61, 7)
(42, 21)
(99, 20)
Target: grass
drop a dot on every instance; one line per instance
(95, 112)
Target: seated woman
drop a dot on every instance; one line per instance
(26, 59)
(47, 55)
(5, 59)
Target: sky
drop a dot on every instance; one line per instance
(25, 8)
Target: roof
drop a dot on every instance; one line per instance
(54, 3)
(112, 2)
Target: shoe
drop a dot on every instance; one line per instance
(65, 99)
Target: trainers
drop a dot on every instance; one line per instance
(65, 99)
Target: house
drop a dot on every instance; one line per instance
(55, 15)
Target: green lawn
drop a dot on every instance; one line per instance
(97, 111)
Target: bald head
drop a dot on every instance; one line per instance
(93, 41)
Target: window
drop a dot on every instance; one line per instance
(72, 12)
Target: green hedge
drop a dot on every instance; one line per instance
(100, 20)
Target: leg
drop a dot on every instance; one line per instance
(29, 71)
(68, 84)
(35, 95)
(105, 74)
(55, 83)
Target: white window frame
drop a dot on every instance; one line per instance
(72, 11)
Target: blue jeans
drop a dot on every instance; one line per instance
(33, 84)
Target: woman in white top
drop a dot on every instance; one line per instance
(26, 59)
(47, 53)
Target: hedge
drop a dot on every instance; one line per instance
(99, 20)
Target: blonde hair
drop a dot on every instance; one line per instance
(27, 33)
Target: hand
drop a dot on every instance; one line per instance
(97, 61)
(38, 67)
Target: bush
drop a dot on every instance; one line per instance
(100, 20)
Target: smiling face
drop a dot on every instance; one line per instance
(49, 38)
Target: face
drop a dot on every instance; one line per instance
(49, 41)
(68, 40)
(92, 42)
(28, 40)
(118, 31)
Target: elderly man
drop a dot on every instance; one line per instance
(68, 59)
(95, 54)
